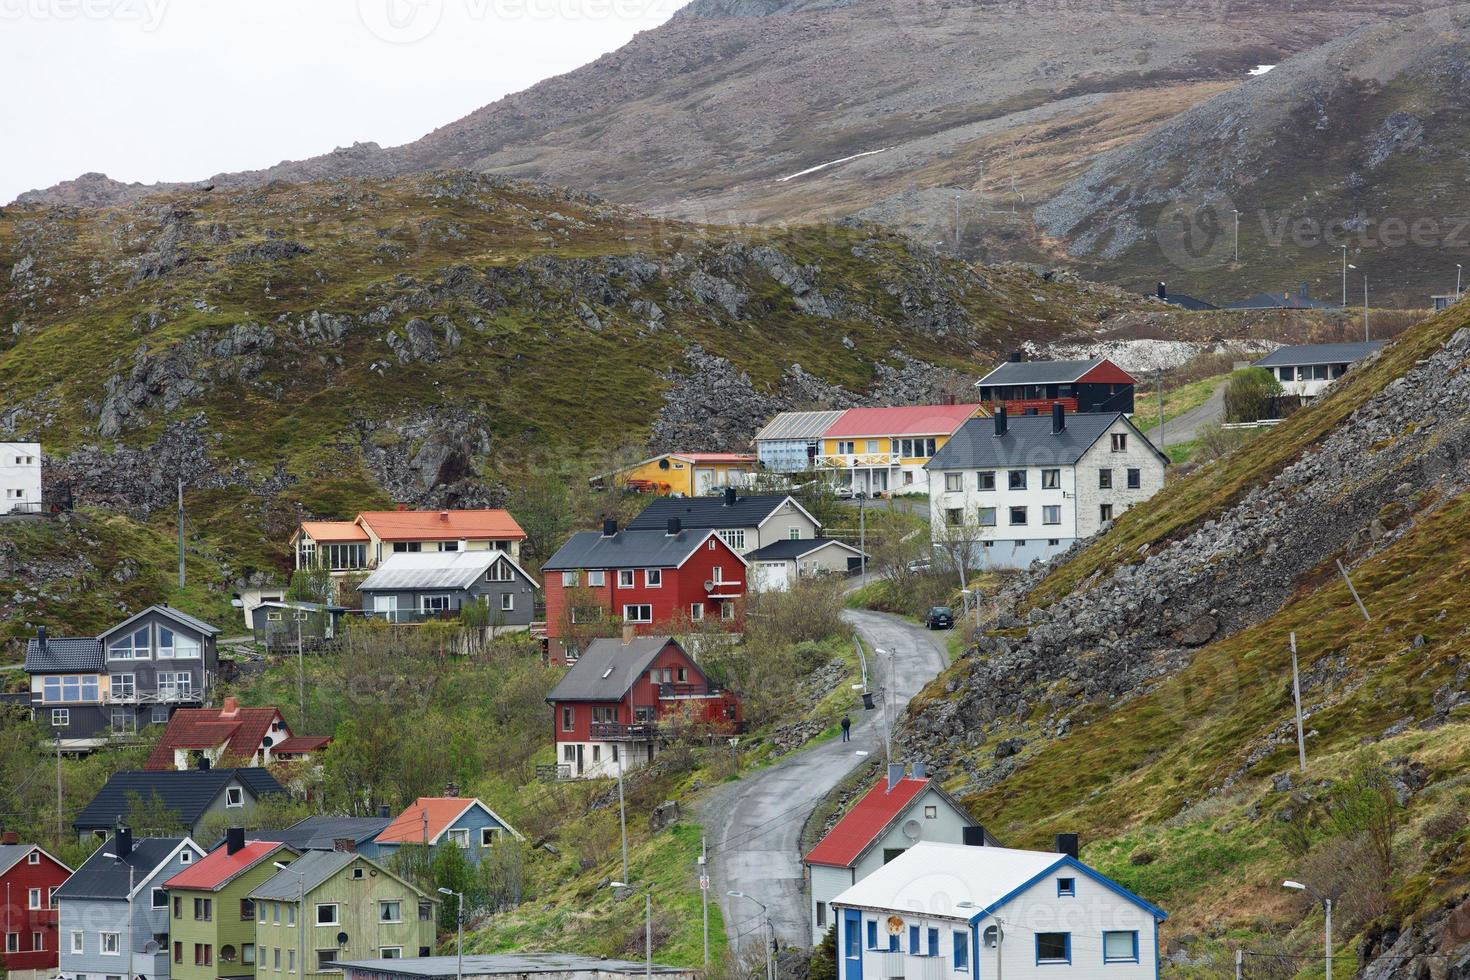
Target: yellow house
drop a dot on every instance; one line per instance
(883, 450)
(686, 474)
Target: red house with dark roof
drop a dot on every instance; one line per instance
(230, 737)
(29, 877)
(1033, 387)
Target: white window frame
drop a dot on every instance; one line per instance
(383, 911)
(78, 944)
(128, 681)
(60, 718)
(102, 949)
(425, 600)
(625, 578)
(653, 578)
(727, 611)
(234, 797)
(696, 612)
(954, 482)
(630, 617)
(336, 919)
(1049, 510)
(34, 858)
(734, 537)
(1051, 479)
(793, 534)
(390, 952)
(569, 580)
(33, 899)
(459, 836)
(596, 579)
(507, 602)
(488, 836)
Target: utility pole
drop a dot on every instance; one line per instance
(957, 222)
(1296, 696)
(862, 538)
(1237, 238)
(1161, 408)
(1239, 964)
(1365, 307)
(59, 831)
(300, 675)
(622, 816)
(704, 892)
(1353, 589)
(1344, 277)
(181, 532)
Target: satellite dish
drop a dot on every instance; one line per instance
(150, 947)
(709, 585)
(894, 925)
(267, 741)
(341, 939)
(912, 829)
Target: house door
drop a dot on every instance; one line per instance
(579, 760)
(384, 605)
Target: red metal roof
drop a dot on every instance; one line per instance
(716, 457)
(219, 866)
(334, 531)
(865, 822)
(442, 525)
(409, 826)
(910, 420)
(1107, 373)
(239, 729)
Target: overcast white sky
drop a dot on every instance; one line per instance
(182, 89)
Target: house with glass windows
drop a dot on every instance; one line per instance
(350, 548)
(965, 912)
(435, 821)
(29, 878)
(1307, 370)
(409, 588)
(193, 798)
(327, 907)
(133, 675)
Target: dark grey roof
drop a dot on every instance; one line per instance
(506, 964)
(1028, 441)
(1280, 301)
(626, 549)
(1319, 354)
(65, 656)
(187, 792)
(788, 550)
(103, 877)
(169, 612)
(1189, 302)
(309, 870)
(1039, 372)
(608, 668)
(707, 513)
(319, 833)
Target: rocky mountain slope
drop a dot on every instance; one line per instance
(313, 349)
(988, 103)
(1139, 691)
(1361, 142)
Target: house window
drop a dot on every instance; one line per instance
(500, 572)
(448, 545)
(290, 961)
(1066, 887)
(185, 857)
(261, 909)
(889, 853)
(1120, 442)
(1135, 479)
(134, 646)
(872, 934)
(850, 940)
(123, 721)
(178, 952)
(638, 614)
(175, 687)
(913, 940)
(60, 717)
(625, 578)
(821, 915)
(569, 580)
(203, 954)
(391, 952)
(568, 753)
(1051, 515)
(203, 909)
(596, 753)
(954, 482)
(681, 674)
(108, 944)
(985, 479)
(460, 837)
(326, 914)
(696, 612)
(846, 448)
(1018, 516)
(954, 516)
(933, 938)
(160, 898)
(326, 961)
(870, 446)
(176, 646)
(507, 602)
(1016, 479)
(393, 911)
(734, 537)
(276, 958)
(72, 689)
(291, 909)
(1053, 947)
(1120, 946)
(727, 611)
(247, 909)
(597, 579)
(426, 912)
(568, 718)
(487, 836)
(987, 517)
(433, 603)
(33, 858)
(234, 797)
(1051, 479)
(159, 715)
(962, 952)
(34, 898)
(653, 577)
(1105, 512)
(123, 687)
(931, 813)
(793, 534)
(76, 942)
(247, 954)
(1105, 479)
(356, 876)
(410, 547)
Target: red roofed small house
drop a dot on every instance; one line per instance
(875, 451)
(28, 878)
(891, 817)
(230, 737)
(436, 820)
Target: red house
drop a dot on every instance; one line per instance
(625, 698)
(1033, 387)
(654, 581)
(28, 878)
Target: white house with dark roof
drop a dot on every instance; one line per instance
(964, 912)
(1025, 489)
(1307, 370)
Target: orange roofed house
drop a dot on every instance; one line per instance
(358, 545)
(230, 737)
(433, 821)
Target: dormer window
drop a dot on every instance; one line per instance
(1066, 887)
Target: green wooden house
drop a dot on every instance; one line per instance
(355, 909)
(211, 914)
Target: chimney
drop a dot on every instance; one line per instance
(203, 764)
(895, 775)
(1058, 418)
(675, 526)
(629, 632)
(344, 845)
(730, 496)
(919, 772)
(1000, 421)
(122, 843)
(10, 837)
(384, 812)
(401, 508)
(41, 637)
(1067, 844)
(1163, 290)
(231, 708)
(444, 517)
(234, 840)
(609, 527)
(1017, 357)
(974, 836)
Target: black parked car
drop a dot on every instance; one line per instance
(940, 618)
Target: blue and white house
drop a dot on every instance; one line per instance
(113, 912)
(951, 911)
(442, 821)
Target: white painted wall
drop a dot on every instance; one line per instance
(1090, 496)
(20, 477)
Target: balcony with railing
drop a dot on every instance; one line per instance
(852, 461)
(609, 731)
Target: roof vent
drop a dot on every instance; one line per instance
(1017, 357)
(122, 844)
(1163, 290)
(234, 840)
(1058, 418)
(731, 495)
(384, 812)
(675, 526)
(444, 516)
(609, 527)
(1068, 844)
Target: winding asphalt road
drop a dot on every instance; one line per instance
(754, 824)
(1187, 426)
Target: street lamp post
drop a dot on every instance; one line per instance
(1327, 908)
(458, 928)
(647, 929)
(300, 914)
(622, 811)
(766, 914)
(1237, 238)
(1344, 276)
(131, 886)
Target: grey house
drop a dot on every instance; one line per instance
(746, 523)
(133, 675)
(112, 916)
(192, 795)
(410, 588)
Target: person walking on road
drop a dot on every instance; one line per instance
(846, 729)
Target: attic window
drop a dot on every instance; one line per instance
(33, 858)
(185, 857)
(1067, 887)
(357, 872)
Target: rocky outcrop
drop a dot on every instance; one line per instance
(431, 459)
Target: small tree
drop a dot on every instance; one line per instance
(824, 957)
(1251, 394)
